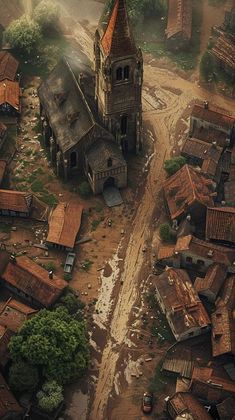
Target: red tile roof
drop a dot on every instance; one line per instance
(185, 403)
(15, 201)
(8, 66)
(207, 250)
(64, 224)
(224, 51)
(33, 280)
(9, 407)
(14, 314)
(185, 188)
(223, 331)
(220, 224)
(179, 18)
(10, 93)
(213, 280)
(118, 40)
(209, 387)
(213, 117)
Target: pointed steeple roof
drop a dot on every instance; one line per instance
(118, 40)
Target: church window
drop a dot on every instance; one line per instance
(126, 72)
(119, 73)
(73, 159)
(124, 125)
(109, 162)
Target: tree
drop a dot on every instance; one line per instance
(24, 35)
(206, 66)
(23, 377)
(173, 165)
(46, 14)
(71, 302)
(165, 232)
(50, 397)
(55, 343)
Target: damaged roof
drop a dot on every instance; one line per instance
(184, 403)
(64, 224)
(179, 18)
(223, 331)
(185, 188)
(220, 224)
(181, 301)
(206, 250)
(66, 108)
(8, 66)
(213, 280)
(33, 280)
(15, 201)
(10, 93)
(14, 314)
(210, 387)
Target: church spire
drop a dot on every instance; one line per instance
(117, 40)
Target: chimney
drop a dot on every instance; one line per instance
(51, 275)
(206, 105)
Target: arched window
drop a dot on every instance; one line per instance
(124, 125)
(119, 74)
(126, 72)
(109, 162)
(73, 159)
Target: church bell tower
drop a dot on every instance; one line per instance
(119, 79)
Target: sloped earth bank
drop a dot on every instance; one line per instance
(118, 357)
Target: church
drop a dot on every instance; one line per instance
(92, 120)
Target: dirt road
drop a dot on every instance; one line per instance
(167, 102)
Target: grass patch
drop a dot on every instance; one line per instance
(94, 224)
(49, 199)
(86, 265)
(5, 228)
(37, 186)
(67, 276)
(50, 266)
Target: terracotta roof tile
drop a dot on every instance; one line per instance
(33, 280)
(224, 50)
(64, 224)
(117, 39)
(223, 331)
(213, 280)
(185, 188)
(15, 201)
(14, 314)
(209, 387)
(185, 403)
(8, 66)
(10, 93)
(179, 18)
(220, 224)
(213, 117)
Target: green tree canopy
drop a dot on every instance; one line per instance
(46, 14)
(171, 166)
(165, 232)
(55, 343)
(50, 396)
(23, 377)
(24, 35)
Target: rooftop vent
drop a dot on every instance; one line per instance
(210, 253)
(50, 275)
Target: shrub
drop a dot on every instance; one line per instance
(165, 232)
(46, 14)
(50, 397)
(171, 166)
(23, 376)
(24, 35)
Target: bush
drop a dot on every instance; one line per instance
(46, 14)
(173, 165)
(50, 397)
(23, 377)
(24, 35)
(206, 66)
(84, 189)
(165, 232)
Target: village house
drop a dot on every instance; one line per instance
(209, 387)
(220, 225)
(210, 125)
(229, 15)
(223, 321)
(224, 54)
(8, 66)
(10, 96)
(9, 407)
(64, 225)
(15, 203)
(179, 24)
(31, 282)
(181, 305)
(210, 285)
(188, 192)
(92, 130)
(183, 405)
(204, 155)
(12, 316)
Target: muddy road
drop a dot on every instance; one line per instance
(167, 101)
